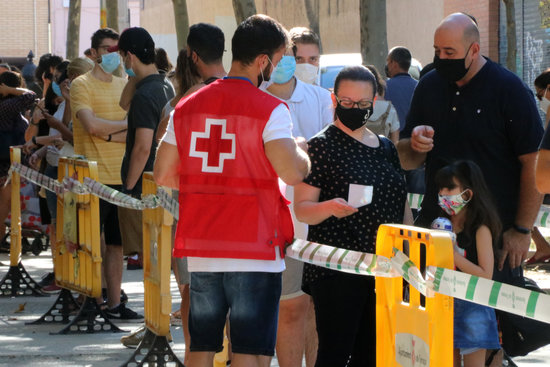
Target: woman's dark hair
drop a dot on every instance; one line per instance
(11, 79)
(356, 73)
(162, 62)
(543, 80)
(183, 76)
(481, 207)
(257, 35)
(62, 68)
(380, 83)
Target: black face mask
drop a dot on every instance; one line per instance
(452, 69)
(192, 65)
(264, 76)
(353, 118)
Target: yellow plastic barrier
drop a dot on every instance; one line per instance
(77, 255)
(157, 256)
(157, 231)
(17, 282)
(15, 227)
(413, 333)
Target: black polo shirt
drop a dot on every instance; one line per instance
(492, 121)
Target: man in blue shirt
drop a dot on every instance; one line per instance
(400, 86)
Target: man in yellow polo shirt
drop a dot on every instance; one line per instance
(99, 129)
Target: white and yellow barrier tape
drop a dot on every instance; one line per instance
(500, 296)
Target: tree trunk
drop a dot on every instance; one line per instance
(182, 22)
(243, 9)
(511, 39)
(73, 29)
(374, 41)
(112, 14)
(312, 12)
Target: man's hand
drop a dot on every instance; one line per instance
(65, 90)
(422, 139)
(515, 247)
(340, 208)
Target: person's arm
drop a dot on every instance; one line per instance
(139, 155)
(413, 151)
(394, 137)
(66, 93)
(128, 94)
(515, 245)
(289, 161)
(542, 172)
(98, 126)
(309, 210)
(66, 133)
(167, 163)
(485, 257)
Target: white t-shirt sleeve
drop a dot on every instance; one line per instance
(170, 136)
(279, 125)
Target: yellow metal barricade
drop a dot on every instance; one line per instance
(15, 226)
(78, 251)
(417, 332)
(157, 230)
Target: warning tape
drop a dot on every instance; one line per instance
(98, 189)
(500, 296)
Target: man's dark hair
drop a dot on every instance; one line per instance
(88, 52)
(356, 73)
(257, 35)
(11, 79)
(543, 80)
(305, 36)
(208, 41)
(101, 34)
(402, 56)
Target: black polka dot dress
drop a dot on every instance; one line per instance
(338, 160)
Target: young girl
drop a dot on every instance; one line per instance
(464, 196)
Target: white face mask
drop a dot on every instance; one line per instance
(307, 73)
(545, 103)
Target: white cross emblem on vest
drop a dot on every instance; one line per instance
(214, 145)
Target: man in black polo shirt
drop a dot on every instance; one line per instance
(152, 91)
(472, 108)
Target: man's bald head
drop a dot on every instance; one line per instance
(463, 23)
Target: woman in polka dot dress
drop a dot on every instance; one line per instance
(346, 153)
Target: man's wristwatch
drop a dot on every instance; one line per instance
(521, 229)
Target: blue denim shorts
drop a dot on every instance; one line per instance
(475, 326)
(252, 301)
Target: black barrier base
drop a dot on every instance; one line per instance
(17, 282)
(60, 312)
(90, 319)
(155, 351)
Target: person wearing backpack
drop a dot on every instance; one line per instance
(384, 119)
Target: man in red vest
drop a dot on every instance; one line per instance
(225, 149)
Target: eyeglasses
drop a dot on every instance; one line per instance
(348, 103)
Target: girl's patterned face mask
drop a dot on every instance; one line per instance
(452, 204)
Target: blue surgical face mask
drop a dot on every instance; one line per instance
(130, 72)
(284, 70)
(109, 62)
(56, 89)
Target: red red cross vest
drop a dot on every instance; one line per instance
(230, 202)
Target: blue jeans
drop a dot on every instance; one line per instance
(252, 300)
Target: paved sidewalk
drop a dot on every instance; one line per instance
(24, 345)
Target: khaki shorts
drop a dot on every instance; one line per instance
(292, 279)
(131, 230)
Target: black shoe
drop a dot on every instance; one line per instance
(47, 279)
(121, 312)
(123, 295)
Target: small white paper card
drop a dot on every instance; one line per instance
(359, 195)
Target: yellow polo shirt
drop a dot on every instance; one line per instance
(102, 98)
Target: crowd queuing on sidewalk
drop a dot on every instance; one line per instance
(239, 146)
